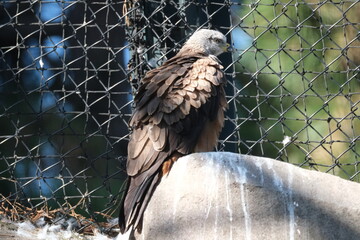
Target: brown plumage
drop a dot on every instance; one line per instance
(179, 109)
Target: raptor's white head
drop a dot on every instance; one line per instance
(210, 42)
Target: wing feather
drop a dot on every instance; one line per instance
(153, 105)
(185, 108)
(204, 85)
(162, 89)
(171, 79)
(161, 76)
(154, 133)
(136, 147)
(168, 106)
(177, 99)
(157, 117)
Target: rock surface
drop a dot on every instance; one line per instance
(231, 196)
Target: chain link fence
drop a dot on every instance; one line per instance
(68, 71)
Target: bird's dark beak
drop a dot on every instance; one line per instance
(227, 48)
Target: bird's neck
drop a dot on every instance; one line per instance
(191, 50)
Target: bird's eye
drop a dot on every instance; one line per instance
(217, 40)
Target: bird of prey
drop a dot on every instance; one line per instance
(179, 109)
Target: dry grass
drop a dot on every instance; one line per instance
(14, 211)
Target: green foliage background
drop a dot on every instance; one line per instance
(300, 79)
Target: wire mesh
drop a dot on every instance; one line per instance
(69, 70)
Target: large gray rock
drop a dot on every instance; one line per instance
(230, 196)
